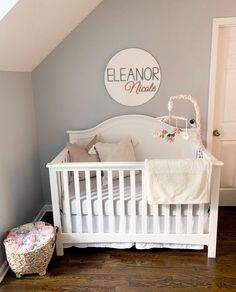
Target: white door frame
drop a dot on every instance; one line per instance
(217, 24)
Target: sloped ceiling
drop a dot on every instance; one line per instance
(33, 28)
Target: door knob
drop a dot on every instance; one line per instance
(216, 133)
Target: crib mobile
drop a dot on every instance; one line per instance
(170, 119)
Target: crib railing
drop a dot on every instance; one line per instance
(167, 220)
(60, 179)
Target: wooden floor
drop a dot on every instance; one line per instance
(131, 270)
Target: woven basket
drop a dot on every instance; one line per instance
(34, 261)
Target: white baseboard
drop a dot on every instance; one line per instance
(3, 270)
(4, 267)
(42, 212)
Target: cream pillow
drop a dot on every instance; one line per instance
(115, 152)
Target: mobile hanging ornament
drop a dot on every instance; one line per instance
(169, 120)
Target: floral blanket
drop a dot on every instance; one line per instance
(28, 237)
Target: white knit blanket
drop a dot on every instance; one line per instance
(178, 181)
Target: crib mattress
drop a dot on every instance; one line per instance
(105, 197)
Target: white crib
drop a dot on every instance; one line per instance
(118, 215)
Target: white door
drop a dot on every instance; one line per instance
(223, 129)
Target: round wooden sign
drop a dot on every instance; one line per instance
(132, 77)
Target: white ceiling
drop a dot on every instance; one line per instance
(33, 28)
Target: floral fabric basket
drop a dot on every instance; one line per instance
(29, 248)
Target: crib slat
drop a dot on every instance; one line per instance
(167, 218)
(78, 202)
(144, 204)
(122, 201)
(67, 202)
(111, 203)
(89, 202)
(60, 186)
(61, 181)
(100, 208)
(133, 201)
(201, 218)
(190, 219)
(156, 226)
(178, 222)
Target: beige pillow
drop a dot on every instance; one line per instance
(79, 154)
(115, 152)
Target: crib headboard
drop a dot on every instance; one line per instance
(140, 129)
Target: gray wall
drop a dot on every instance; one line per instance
(68, 85)
(20, 184)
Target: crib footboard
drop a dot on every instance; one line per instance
(115, 210)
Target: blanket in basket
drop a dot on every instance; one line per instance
(28, 237)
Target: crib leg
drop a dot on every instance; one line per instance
(56, 209)
(59, 248)
(212, 250)
(213, 219)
